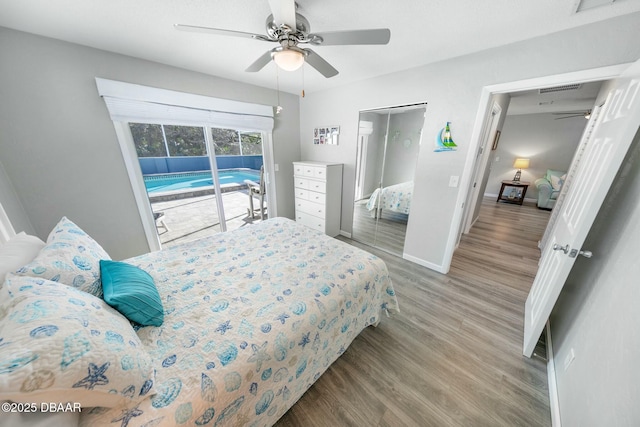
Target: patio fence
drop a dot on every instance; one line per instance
(154, 165)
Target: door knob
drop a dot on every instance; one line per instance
(557, 247)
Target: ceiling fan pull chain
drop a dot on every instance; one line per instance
(303, 80)
(278, 107)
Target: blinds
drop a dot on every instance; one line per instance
(128, 102)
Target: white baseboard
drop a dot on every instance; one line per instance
(554, 403)
(432, 266)
(345, 234)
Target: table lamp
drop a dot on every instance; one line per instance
(520, 164)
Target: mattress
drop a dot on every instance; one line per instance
(253, 317)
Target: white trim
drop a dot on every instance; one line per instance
(345, 234)
(213, 164)
(481, 164)
(430, 265)
(484, 108)
(6, 229)
(134, 172)
(134, 92)
(269, 174)
(554, 402)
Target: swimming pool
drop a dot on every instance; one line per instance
(194, 180)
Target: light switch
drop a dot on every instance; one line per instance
(497, 158)
(276, 167)
(453, 181)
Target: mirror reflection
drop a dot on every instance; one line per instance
(387, 152)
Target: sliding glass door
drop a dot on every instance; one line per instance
(196, 177)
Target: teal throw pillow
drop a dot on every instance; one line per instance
(132, 292)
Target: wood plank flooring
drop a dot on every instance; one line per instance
(453, 356)
(387, 232)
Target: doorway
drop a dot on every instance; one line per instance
(482, 118)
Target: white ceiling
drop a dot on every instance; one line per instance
(533, 102)
(421, 31)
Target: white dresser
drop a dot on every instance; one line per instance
(318, 187)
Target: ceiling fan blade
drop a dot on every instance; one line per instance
(221, 32)
(569, 117)
(373, 36)
(284, 12)
(260, 63)
(317, 62)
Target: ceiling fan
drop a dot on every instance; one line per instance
(584, 114)
(290, 29)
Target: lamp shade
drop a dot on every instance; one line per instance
(288, 59)
(521, 164)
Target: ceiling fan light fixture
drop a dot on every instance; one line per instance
(288, 59)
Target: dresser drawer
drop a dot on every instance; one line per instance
(301, 193)
(310, 221)
(315, 209)
(317, 186)
(316, 197)
(301, 182)
(320, 173)
(310, 171)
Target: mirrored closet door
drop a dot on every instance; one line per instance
(387, 152)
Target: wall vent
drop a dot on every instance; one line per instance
(560, 88)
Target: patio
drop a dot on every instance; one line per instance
(196, 217)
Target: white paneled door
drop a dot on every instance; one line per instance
(591, 179)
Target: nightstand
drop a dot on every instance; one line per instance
(513, 191)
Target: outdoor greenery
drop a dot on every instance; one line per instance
(185, 141)
(251, 143)
(226, 142)
(149, 140)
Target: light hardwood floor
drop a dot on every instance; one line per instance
(387, 232)
(453, 356)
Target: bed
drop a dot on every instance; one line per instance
(252, 318)
(395, 198)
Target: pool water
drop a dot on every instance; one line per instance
(193, 180)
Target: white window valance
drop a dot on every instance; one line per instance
(129, 102)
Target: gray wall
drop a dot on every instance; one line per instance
(452, 90)
(59, 147)
(400, 161)
(547, 142)
(375, 152)
(597, 314)
(12, 206)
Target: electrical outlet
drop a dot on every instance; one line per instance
(567, 360)
(453, 181)
(497, 158)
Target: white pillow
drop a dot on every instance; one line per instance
(59, 344)
(20, 250)
(71, 257)
(555, 182)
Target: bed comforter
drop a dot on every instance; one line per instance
(253, 318)
(396, 198)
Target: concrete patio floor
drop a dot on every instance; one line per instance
(196, 217)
